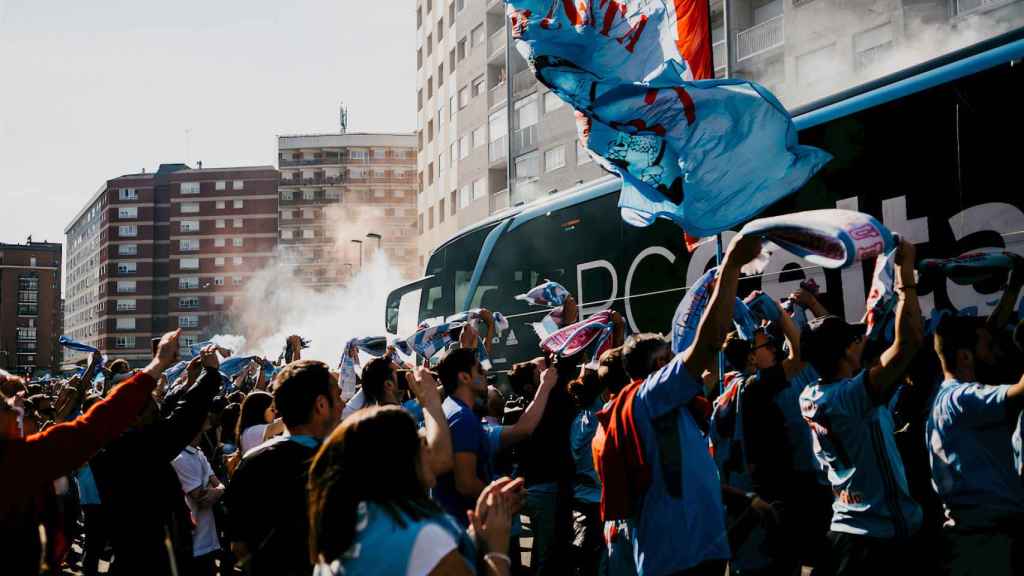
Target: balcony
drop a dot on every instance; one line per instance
(523, 81)
(497, 95)
(499, 200)
(496, 149)
(969, 6)
(718, 56)
(524, 139)
(495, 44)
(322, 181)
(762, 37)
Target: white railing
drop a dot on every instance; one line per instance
(523, 80)
(497, 95)
(967, 6)
(496, 149)
(499, 200)
(760, 38)
(718, 56)
(495, 42)
(524, 139)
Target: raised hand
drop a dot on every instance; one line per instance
(424, 387)
(167, 350)
(208, 357)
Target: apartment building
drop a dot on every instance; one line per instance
(30, 307)
(806, 50)
(464, 132)
(344, 198)
(151, 252)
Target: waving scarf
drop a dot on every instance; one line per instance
(591, 336)
(376, 346)
(882, 297)
(550, 294)
(831, 238)
(71, 344)
(762, 306)
(972, 267)
(691, 309)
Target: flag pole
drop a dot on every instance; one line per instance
(718, 237)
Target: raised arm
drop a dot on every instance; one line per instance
(808, 300)
(792, 363)
(718, 316)
(533, 413)
(909, 330)
(619, 330)
(1000, 316)
(171, 435)
(439, 440)
(488, 317)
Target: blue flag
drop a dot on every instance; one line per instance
(707, 154)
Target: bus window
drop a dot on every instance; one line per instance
(452, 266)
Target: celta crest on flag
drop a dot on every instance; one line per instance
(706, 154)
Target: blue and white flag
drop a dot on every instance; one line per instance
(72, 344)
(550, 294)
(690, 310)
(373, 345)
(706, 154)
(881, 298)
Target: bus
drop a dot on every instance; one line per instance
(933, 152)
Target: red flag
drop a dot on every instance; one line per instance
(694, 37)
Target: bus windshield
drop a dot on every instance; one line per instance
(451, 268)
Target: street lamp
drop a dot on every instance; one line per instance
(360, 248)
(377, 236)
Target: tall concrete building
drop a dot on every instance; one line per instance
(30, 307)
(151, 252)
(343, 197)
(463, 125)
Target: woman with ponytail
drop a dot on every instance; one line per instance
(370, 511)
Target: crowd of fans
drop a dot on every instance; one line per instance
(822, 448)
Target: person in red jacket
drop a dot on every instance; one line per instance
(30, 464)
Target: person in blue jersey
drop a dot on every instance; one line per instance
(873, 515)
(652, 449)
(969, 433)
(373, 515)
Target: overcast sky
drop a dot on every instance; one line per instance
(90, 90)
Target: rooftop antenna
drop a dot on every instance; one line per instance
(343, 117)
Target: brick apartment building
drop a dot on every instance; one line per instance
(152, 252)
(30, 307)
(345, 195)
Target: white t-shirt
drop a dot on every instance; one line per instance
(432, 544)
(357, 401)
(194, 472)
(252, 437)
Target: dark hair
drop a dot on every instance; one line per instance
(736, 350)
(119, 366)
(375, 373)
(229, 422)
(236, 397)
(612, 371)
(520, 377)
(585, 389)
(296, 388)
(348, 470)
(253, 407)
(455, 362)
(956, 333)
(638, 354)
(823, 343)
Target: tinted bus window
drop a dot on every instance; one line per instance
(452, 266)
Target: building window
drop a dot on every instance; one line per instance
(309, 233)
(479, 188)
(526, 166)
(430, 44)
(218, 261)
(355, 154)
(440, 29)
(127, 194)
(440, 211)
(453, 199)
(479, 85)
(125, 286)
(127, 249)
(237, 223)
(128, 213)
(188, 302)
(218, 281)
(188, 244)
(462, 49)
(419, 59)
(188, 321)
(222, 184)
(582, 156)
(125, 323)
(237, 260)
(188, 282)
(236, 242)
(219, 242)
(332, 194)
(552, 102)
(476, 37)
(554, 158)
(126, 267)
(237, 204)
(286, 234)
(479, 139)
(190, 225)
(124, 342)
(419, 223)
(218, 300)
(125, 306)
(286, 214)
(26, 334)
(220, 204)
(430, 218)
(465, 194)
(236, 280)
(309, 194)
(440, 75)
(128, 231)
(189, 263)
(190, 187)
(238, 185)
(190, 207)
(526, 112)
(287, 195)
